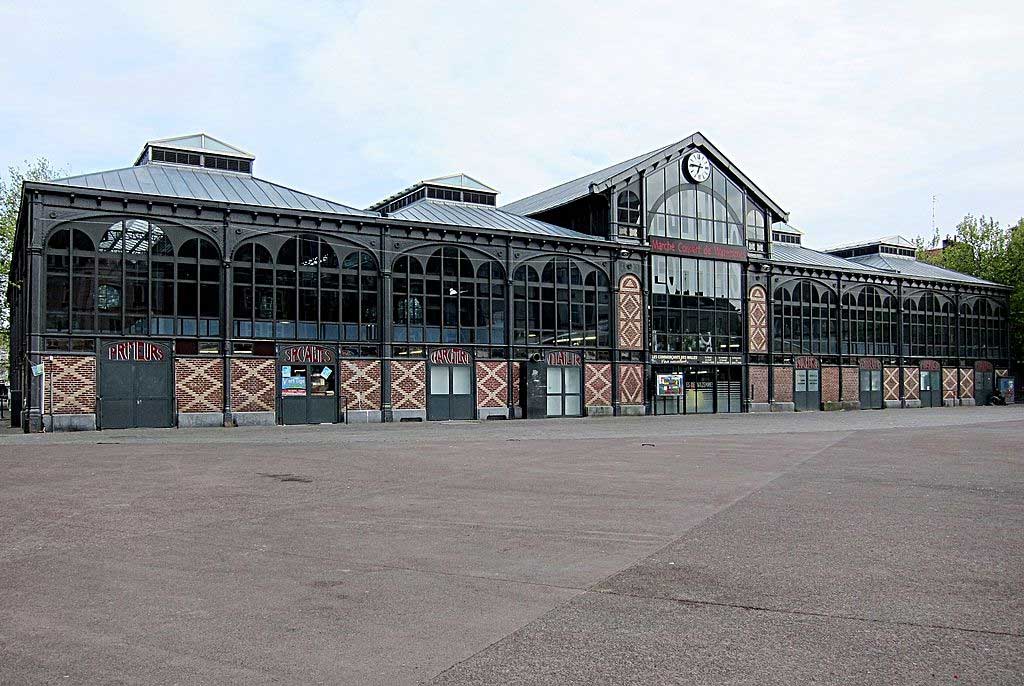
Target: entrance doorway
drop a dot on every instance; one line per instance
(308, 385)
(984, 383)
(871, 389)
(565, 392)
(931, 388)
(697, 390)
(451, 392)
(136, 385)
(806, 390)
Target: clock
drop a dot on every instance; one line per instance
(697, 167)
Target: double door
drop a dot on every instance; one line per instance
(565, 391)
(309, 394)
(871, 389)
(984, 386)
(931, 388)
(806, 390)
(450, 392)
(135, 393)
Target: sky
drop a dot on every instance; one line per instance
(857, 118)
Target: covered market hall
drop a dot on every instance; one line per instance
(184, 290)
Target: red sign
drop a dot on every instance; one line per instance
(139, 351)
(715, 251)
(805, 362)
(307, 354)
(930, 366)
(982, 366)
(564, 358)
(450, 356)
(871, 363)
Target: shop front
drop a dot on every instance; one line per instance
(307, 388)
(136, 385)
(806, 384)
(564, 383)
(931, 383)
(450, 384)
(984, 382)
(871, 383)
(709, 384)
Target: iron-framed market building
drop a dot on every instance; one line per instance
(186, 291)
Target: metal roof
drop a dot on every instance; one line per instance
(207, 185)
(910, 267)
(797, 254)
(482, 217)
(601, 179)
(202, 142)
(895, 240)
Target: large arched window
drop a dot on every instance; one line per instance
(803, 318)
(628, 206)
(126, 277)
(448, 297)
(305, 288)
(559, 301)
(983, 329)
(928, 321)
(869, 322)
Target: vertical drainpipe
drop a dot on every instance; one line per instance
(839, 331)
(32, 290)
(227, 303)
(899, 340)
(385, 319)
(770, 310)
(509, 330)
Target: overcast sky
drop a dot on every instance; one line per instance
(852, 116)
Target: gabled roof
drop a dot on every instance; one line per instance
(463, 181)
(480, 216)
(911, 267)
(602, 179)
(896, 240)
(790, 253)
(206, 185)
(783, 227)
(202, 142)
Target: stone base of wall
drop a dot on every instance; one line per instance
(912, 403)
(489, 412)
(69, 422)
(254, 418)
(408, 415)
(517, 412)
(632, 410)
(189, 420)
(888, 404)
(850, 404)
(949, 402)
(783, 407)
(969, 402)
(599, 411)
(362, 416)
(759, 407)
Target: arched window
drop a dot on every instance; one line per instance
(565, 303)
(297, 287)
(928, 320)
(869, 322)
(983, 326)
(803, 319)
(628, 205)
(448, 297)
(125, 277)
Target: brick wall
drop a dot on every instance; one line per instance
(631, 320)
(408, 385)
(783, 384)
(515, 383)
(912, 383)
(73, 379)
(829, 384)
(851, 383)
(253, 383)
(949, 383)
(757, 376)
(360, 384)
(891, 383)
(492, 384)
(199, 384)
(631, 384)
(598, 390)
(967, 383)
(757, 320)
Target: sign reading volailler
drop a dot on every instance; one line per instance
(564, 358)
(686, 248)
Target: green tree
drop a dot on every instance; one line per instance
(10, 204)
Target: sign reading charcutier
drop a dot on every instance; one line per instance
(136, 351)
(564, 358)
(307, 354)
(450, 356)
(686, 248)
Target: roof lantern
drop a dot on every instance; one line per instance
(896, 246)
(458, 188)
(196, 150)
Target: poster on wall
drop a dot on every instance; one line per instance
(1008, 389)
(670, 384)
(293, 385)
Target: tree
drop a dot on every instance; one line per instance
(10, 204)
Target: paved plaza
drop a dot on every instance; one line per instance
(851, 548)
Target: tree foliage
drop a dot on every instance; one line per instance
(982, 248)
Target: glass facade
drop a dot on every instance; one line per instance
(560, 301)
(712, 211)
(803, 319)
(696, 305)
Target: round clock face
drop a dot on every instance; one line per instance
(697, 167)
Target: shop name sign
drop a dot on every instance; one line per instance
(307, 354)
(715, 251)
(805, 362)
(564, 358)
(450, 356)
(697, 359)
(137, 351)
(930, 366)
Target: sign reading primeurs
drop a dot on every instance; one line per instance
(137, 351)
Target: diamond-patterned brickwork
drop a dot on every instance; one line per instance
(598, 391)
(72, 380)
(631, 324)
(631, 384)
(966, 383)
(491, 384)
(408, 385)
(360, 384)
(912, 383)
(949, 384)
(515, 384)
(252, 385)
(891, 383)
(757, 318)
(199, 384)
